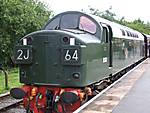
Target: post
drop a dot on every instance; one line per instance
(6, 79)
(6, 76)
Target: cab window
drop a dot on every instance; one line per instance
(73, 21)
(54, 24)
(69, 21)
(87, 25)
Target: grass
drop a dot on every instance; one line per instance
(13, 80)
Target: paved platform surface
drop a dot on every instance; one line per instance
(137, 100)
(130, 95)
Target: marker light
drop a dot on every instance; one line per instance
(65, 39)
(76, 75)
(24, 41)
(29, 40)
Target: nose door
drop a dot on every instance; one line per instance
(47, 58)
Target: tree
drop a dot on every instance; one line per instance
(18, 18)
(107, 14)
(139, 25)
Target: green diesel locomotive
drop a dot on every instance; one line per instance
(73, 54)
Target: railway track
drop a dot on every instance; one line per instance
(7, 102)
(105, 101)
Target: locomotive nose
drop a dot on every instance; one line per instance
(52, 57)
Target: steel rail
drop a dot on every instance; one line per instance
(6, 102)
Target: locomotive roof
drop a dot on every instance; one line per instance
(118, 30)
(148, 36)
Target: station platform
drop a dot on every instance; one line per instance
(130, 95)
(137, 100)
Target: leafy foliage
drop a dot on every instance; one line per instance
(18, 18)
(139, 25)
(107, 14)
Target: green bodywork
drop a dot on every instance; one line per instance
(48, 65)
(126, 52)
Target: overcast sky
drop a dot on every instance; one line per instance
(130, 9)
